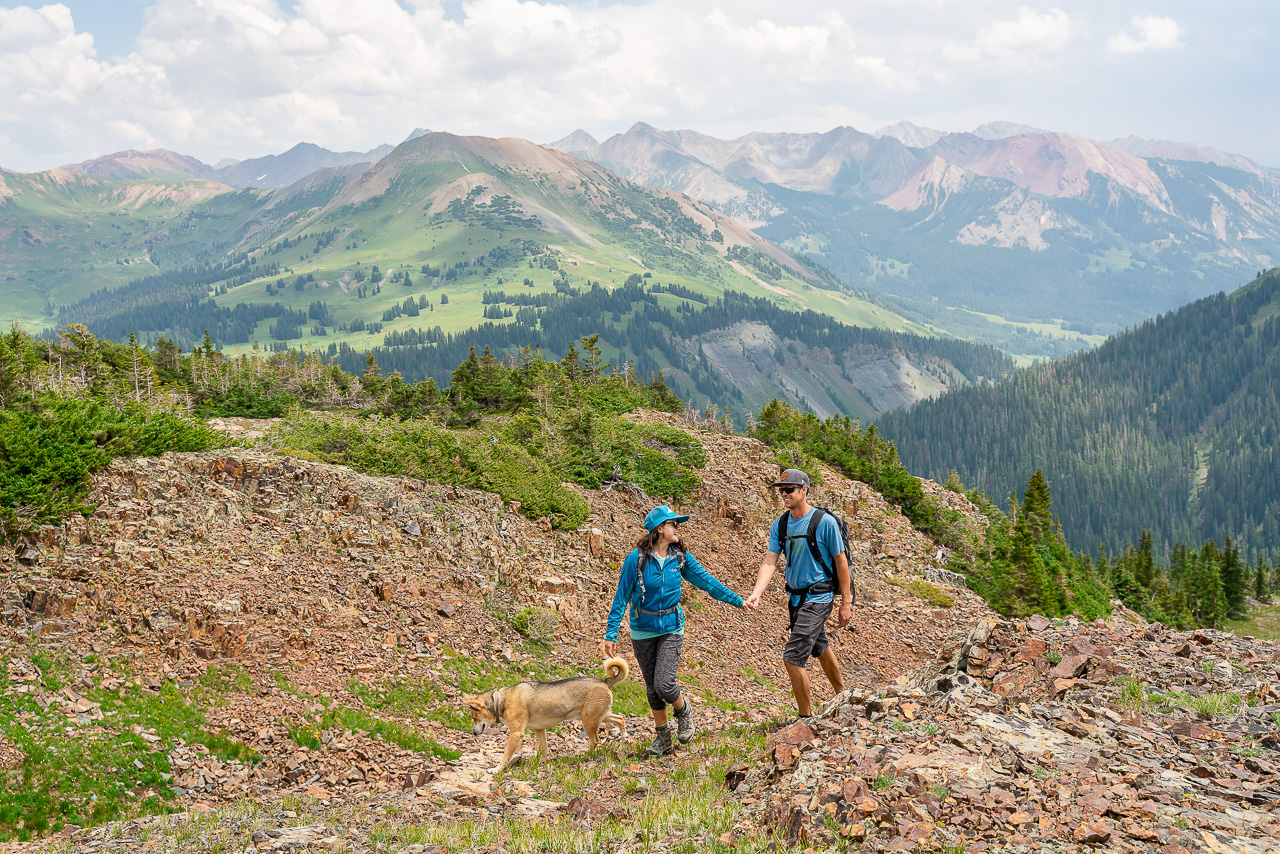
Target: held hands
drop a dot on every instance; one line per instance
(752, 603)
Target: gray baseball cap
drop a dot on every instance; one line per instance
(792, 477)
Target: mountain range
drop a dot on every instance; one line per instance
(1036, 242)
(1027, 225)
(447, 242)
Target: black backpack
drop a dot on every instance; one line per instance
(811, 537)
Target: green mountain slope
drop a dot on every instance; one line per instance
(449, 242)
(1035, 242)
(64, 236)
(1171, 426)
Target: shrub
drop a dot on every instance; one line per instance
(48, 451)
(538, 624)
(924, 590)
(427, 451)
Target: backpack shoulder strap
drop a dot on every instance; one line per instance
(811, 536)
(642, 558)
(780, 528)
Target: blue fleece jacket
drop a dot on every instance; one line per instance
(662, 587)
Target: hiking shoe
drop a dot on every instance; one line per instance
(684, 723)
(808, 720)
(661, 744)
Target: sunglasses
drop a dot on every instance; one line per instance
(787, 490)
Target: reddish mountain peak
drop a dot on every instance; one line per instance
(132, 164)
(1054, 164)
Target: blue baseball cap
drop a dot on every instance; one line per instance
(660, 514)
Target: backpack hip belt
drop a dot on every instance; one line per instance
(793, 611)
(661, 613)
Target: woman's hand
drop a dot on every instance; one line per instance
(609, 648)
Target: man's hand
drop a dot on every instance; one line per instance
(609, 648)
(753, 602)
(846, 614)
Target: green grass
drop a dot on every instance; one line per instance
(398, 734)
(102, 770)
(1134, 696)
(924, 590)
(678, 805)
(1261, 623)
(1213, 705)
(407, 698)
(219, 680)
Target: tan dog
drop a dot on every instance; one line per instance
(540, 705)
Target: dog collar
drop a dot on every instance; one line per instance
(496, 699)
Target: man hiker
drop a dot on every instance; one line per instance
(816, 567)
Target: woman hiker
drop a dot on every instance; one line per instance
(650, 583)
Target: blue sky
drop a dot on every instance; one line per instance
(244, 78)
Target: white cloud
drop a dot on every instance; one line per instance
(242, 78)
(1024, 39)
(1153, 34)
(43, 60)
(245, 76)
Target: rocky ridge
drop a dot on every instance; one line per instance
(314, 587)
(1039, 735)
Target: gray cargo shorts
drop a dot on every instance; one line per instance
(809, 634)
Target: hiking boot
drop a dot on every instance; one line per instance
(684, 723)
(661, 744)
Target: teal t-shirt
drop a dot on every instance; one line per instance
(801, 569)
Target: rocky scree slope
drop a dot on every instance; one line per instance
(322, 589)
(1040, 735)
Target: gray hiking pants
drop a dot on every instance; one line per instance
(658, 658)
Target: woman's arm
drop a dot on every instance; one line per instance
(622, 597)
(697, 575)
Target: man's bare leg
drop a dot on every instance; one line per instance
(831, 667)
(800, 688)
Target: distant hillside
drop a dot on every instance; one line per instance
(1010, 235)
(271, 171)
(1171, 426)
(449, 242)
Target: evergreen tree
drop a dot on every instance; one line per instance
(1235, 582)
(1144, 570)
(1029, 589)
(1036, 507)
(1204, 586)
(1260, 591)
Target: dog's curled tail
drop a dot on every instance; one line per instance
(617, 670)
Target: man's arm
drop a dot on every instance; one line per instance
(767, 567)
(845, 581)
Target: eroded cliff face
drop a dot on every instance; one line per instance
(859, 382)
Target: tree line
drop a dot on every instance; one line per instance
(1170, 427)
